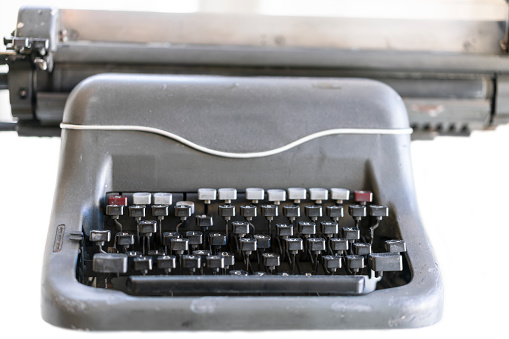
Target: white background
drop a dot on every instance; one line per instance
(462, 186)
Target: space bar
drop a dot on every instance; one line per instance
(245, 285)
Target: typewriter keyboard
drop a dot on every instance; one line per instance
(295, 241)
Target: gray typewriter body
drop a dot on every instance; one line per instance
(236, 115)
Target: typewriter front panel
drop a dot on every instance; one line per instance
(151, 233)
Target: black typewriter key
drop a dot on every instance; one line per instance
(335, 212)
(195, 237)
(313, 211)
(316, 244)
(355, 263)
(160, 210)
(115, 210)
(329, 228)
(166, 263)
(339, 245)
(109, 263)
(271, 261)
(240, 228)
(215, 262)
(351, 233)
(377, 212)
(204, 221)
(217, 239)
(385, 262)
(191, 262)
(284, 230)
(294, 244)
(227, 211)
(331, 263)
(183, 211)
(142, 264)
(307, 228)
(148, 227)
(269, 211)
(357, 211)
(179, 245)
(248, 211)
(360, 248)
(262, 241)
(124, 240)
(229, 259)
(137, 211)
(99, 237)
(291, 211)
(395, 246)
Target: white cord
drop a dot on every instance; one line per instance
(238, 155)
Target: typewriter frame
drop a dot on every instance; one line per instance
(94, 162)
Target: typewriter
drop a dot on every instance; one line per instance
(213, 187)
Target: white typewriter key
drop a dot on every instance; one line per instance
(207, 195)
(227, 194)
(162, 198)
(297, 194)
(339, 194)
(255, 194)
(142, 198)
(276, 196)
(318, 194)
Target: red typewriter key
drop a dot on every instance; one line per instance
(117, 200)
(363, 196)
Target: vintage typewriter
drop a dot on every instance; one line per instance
(212, 186)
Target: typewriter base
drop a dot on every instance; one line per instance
(96, 162)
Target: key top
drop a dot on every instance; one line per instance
(339, 194)
(395, 246)
(297, 194)
(318, 194)
(162, 198)
(255, 194)
(109, 263)
(363, 197)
